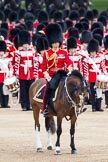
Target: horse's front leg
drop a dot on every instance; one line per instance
(38, 140)
(72, 133)
(59, 131)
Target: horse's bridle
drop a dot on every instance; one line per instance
(69, 99)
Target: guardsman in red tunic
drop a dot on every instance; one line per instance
(94, 66)
(25, 67)
(5, 69)
(73, 54)
(105, 41)
(54, 60)
(41, 46)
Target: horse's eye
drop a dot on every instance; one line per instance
(75, 88)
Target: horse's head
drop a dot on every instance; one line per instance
(76, 90)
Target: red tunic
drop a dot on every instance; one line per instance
(25, 65)
(53, 61)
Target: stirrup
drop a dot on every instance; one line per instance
(45, 113)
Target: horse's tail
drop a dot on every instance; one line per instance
(50, 124)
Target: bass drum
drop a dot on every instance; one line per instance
(102, 82)
(12, 84)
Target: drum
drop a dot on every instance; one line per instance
(102, 81)
(12, 84)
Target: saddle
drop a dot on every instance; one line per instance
(39, 95)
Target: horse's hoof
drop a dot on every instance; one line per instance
(74, 151)
(39, 150)
(49, 148)
(58, 152)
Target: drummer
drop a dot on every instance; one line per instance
(93, 66)
(5, 64)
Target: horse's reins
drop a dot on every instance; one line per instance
(69, 99)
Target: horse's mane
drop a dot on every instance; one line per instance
(78, 74)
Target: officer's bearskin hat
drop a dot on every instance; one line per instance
(93, 46)
(98, 37)
(41, 44)
(24, 38)
(85, 37)
(2, 46)
(13, 16)
(54, 33)
(74, 15)
(43, 16)
(71, 43)
(105, 41)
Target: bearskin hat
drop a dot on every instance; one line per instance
(85, 37)
(103, 20)
(65, 13)
(23, 37)
(85, 25)
(96, 25)
(4, 33)
(43, 16)
(58, 16)
(13, 33)
(74, 15)
(98, 37)
(5, 25)
(93, 46)
(71, 43)
(41, 44)
(98, 31)
(28, 16)
(63, 26)
(54, 33)
(105, 41)
(13, 16)
(2, 15)
(95, 13)
(29, 25)
(68, 24)
(80, 27)
(40, 27)
(21, 14)
(89, 15)
(2, 46)
(36, 36)
(82, 12)
(73, 32)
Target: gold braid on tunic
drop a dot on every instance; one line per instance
(52, 57)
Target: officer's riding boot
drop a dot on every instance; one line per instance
(46, 100)
(98, 104)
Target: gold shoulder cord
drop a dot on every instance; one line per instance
(52, 57)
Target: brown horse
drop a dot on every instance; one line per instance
(68, 104)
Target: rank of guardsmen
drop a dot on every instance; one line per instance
(36, 44)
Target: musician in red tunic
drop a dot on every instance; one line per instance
(54, 59)
(5, 68)
(93, 66)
